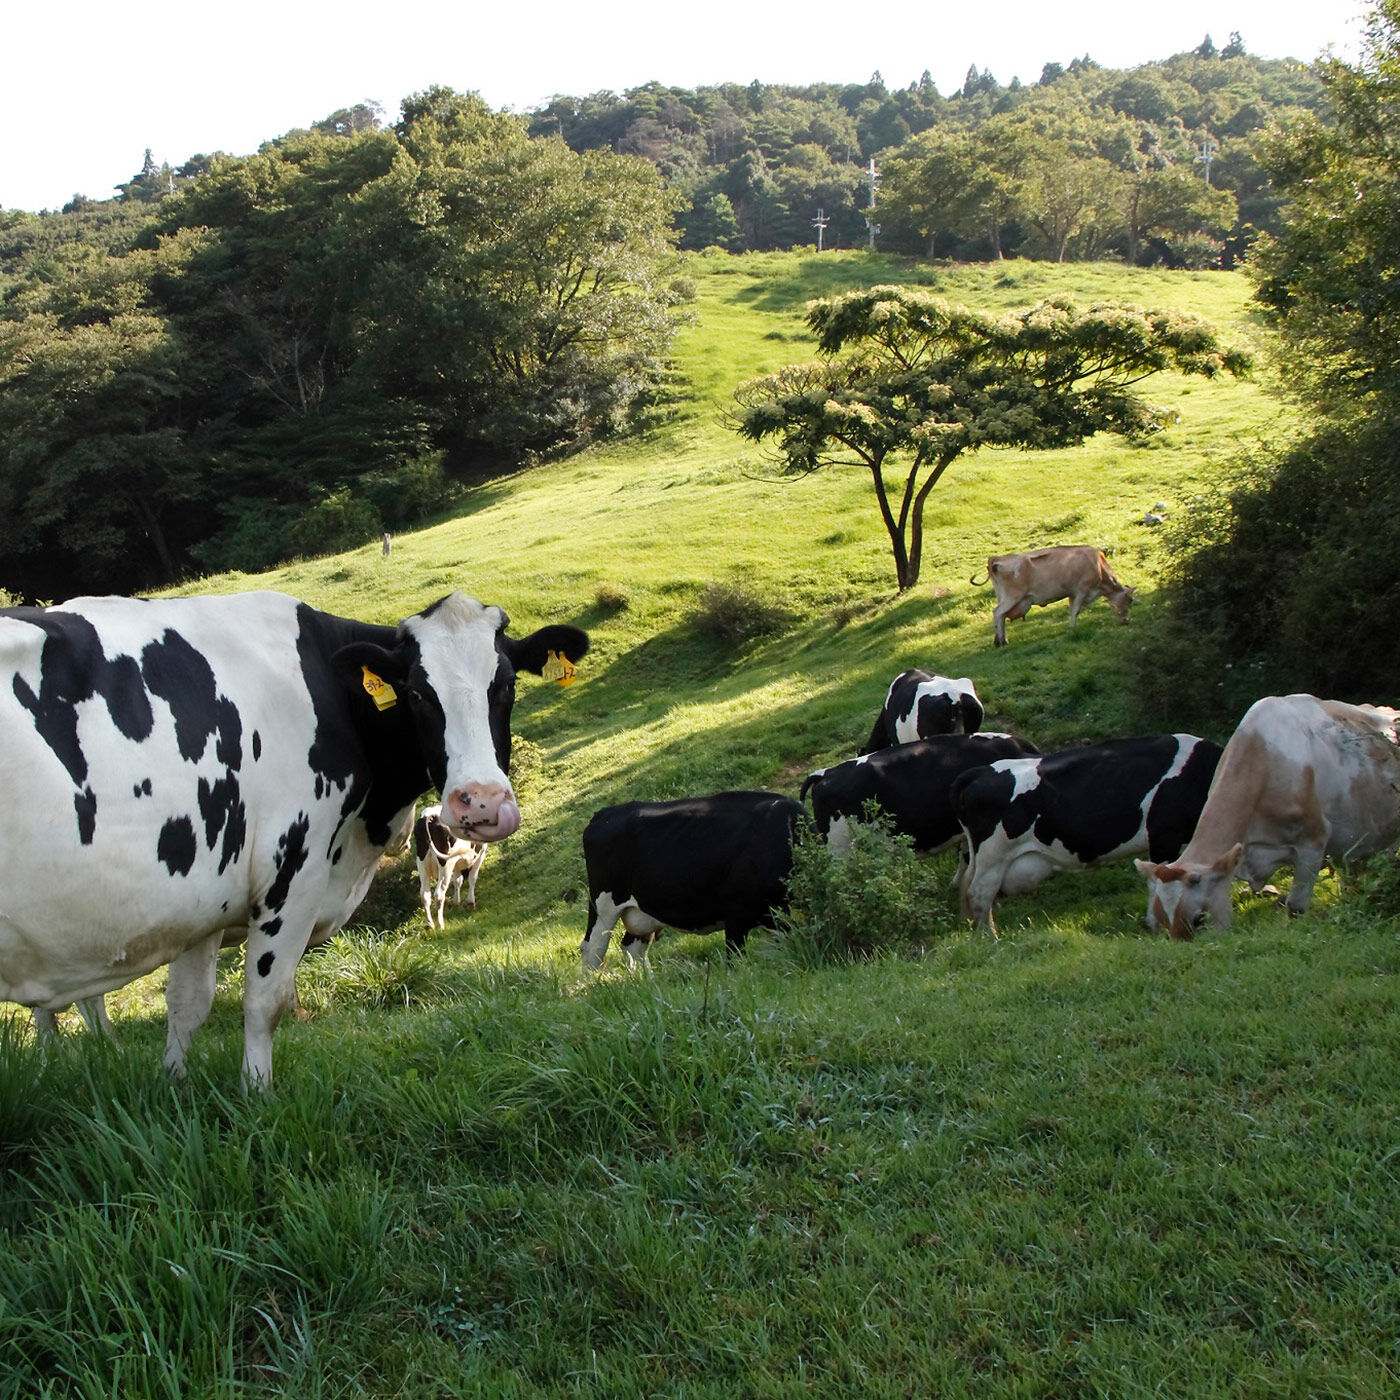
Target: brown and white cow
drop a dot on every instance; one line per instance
(444, 859)
(1079, 572)
(1301, 781)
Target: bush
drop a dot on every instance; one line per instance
(852, 904)
(733, 613)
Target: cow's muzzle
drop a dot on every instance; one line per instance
(482, 811)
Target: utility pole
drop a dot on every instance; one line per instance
(820, 223)
(873, 179)
(1208, 150)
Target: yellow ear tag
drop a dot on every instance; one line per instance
(558, 668)
(379, 690)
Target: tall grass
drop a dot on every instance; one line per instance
(1075, 1161)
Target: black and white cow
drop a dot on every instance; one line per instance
(444, 860)
(1026, 818)
(911, 782)
(691, 864)
(920, 705)
(231, 763)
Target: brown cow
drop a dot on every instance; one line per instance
(1301, 781)
(1079, 572)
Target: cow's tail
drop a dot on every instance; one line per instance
(811, 778)
(981, 583)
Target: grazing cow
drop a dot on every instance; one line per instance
(911, 782)
(1079, 572)
(1026, 818)
(231, 766)
(920, 705)
(1301, 781)
(443, 860)
(691, 864)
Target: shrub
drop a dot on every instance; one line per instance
(852, 904)
(609, 598)
(370, 969)
(733, 613)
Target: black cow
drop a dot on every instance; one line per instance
(920, 705)
(911, 783)
(231, 767)
(1026, 818)
(691, 864)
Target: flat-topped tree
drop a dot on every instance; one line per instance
(925, 381)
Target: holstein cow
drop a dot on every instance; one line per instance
(912, 783)
(919, 705)
(691, 864)
(443, 860)
(231, 763)
(1302, 780)
(1079, 572)
(1025, 818)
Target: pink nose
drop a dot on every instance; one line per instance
(483, 811)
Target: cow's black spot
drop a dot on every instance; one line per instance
(182, 677)
(85, 808)
(265, 963)
(223, 810)
(272, 927)
(336, 855)
(176, 845)
(257, 746)
(229, 747)
(142, 789)
(320, 787)
(290, 857)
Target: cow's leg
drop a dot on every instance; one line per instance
(45, 1022)
(603, 913)
(838, 834)
(270, 960)
(737, 930)
(93, 1010)
(641, 930)
(189, 993)
(1008, 612)
(1077, 603)
(440, 896)
(980, 886)
(427, 882)
(473, 870)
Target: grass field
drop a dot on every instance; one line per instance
(1080, 1160)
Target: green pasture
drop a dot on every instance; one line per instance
(1077, 1160)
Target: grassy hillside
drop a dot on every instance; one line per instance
(1078, 1160)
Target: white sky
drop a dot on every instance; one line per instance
(88, 87)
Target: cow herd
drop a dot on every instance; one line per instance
(224, 770)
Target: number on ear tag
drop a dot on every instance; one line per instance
(558, 668)
(379, 690)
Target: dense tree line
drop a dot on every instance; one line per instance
(1156, 163)
(1296, 571)
(289, 352)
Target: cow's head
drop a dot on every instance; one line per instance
(455, 668)
(1121, 601)
(1180, 898)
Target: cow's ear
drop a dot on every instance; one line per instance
(385, 664)
(530, 653)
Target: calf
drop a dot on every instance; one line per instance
(444, 860)
(1301, 781)
(919, 705)
(1079, 572)
(1025, 818)
(692, 864)
(912, 783)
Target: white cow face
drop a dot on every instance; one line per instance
(456, 669)
(1180, 898)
